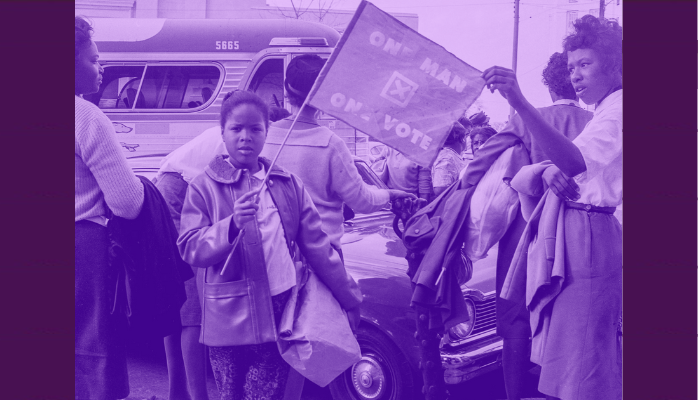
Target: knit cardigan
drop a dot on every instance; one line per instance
(323, 162)
(103, 180)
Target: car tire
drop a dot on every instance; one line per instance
(382, 374)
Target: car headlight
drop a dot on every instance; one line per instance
(461, 331)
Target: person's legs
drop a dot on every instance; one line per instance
(194, 354)
(266, 378)
(512, 317)
(515, 363)
(177, 379)
(430, 363)
(100, 324)
(230, 364)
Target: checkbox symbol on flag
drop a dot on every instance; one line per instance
(399, 89)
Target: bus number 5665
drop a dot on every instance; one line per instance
(227, 45)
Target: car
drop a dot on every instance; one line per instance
(375, 257)
(145, 165)
(375, 150)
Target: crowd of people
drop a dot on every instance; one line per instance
(240, 219)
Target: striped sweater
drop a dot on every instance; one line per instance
(103, 180)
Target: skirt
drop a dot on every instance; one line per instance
(100, 332)
(582, 357)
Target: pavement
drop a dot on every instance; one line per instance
(148, 374)
(148, 379)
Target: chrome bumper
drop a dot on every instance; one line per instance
(465, 363)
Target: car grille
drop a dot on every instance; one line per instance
(485, 315)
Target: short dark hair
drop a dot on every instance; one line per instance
(278, 113)
(83, 33)
(603, 37)
(557, 78)
(479, 119)
(466, 123)
(302, 72)
(237, 97)
(484, 130)
(457, 134)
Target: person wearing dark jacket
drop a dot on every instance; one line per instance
(434, 262)
(512, 321)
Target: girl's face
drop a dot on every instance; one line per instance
(244, 136)
(477, 141)
(88, 71)
(590, 80)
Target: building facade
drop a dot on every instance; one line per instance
(225, 9)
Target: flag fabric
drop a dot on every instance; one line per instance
(394, 84)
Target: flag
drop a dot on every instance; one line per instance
(395, 85)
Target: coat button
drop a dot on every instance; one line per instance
(423, 317)
(417, 231)
(588, 207)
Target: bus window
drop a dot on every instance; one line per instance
(177, 86)
(268, 82)
(163, 87)
(117, 83)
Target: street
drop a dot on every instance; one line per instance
(148, 377)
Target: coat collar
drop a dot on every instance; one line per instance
(220, 170)
(566, 102)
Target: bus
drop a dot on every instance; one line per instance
(165, 79)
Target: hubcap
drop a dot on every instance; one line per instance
(368, 377)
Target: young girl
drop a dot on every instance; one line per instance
(222, 225)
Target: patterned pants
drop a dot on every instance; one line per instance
(251, 372)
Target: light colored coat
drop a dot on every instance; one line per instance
(539, 259)
(325, 165)
(207, 234)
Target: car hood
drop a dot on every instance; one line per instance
(372, 249)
